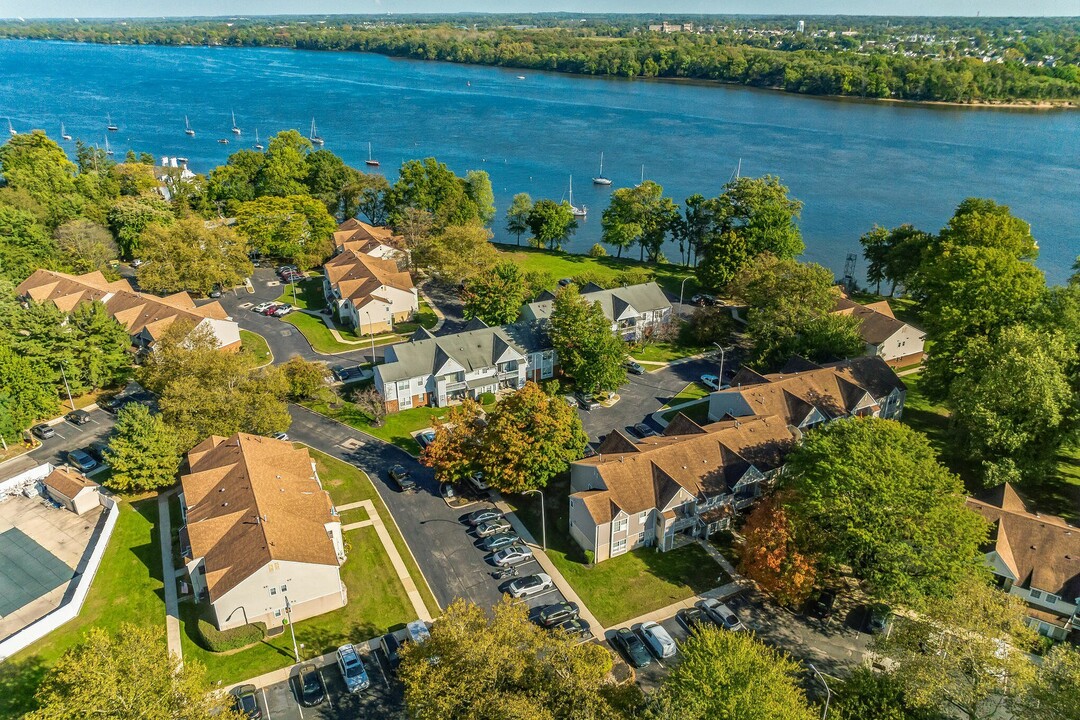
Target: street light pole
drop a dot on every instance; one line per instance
(681, 288)
(543, 516)
(66, 386)
(828, 692)
(288, 613)
(720, 379)
(371, 331)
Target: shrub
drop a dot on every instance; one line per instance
(594, 277)
(636, 276)
(487, 398)
(216, 640)
(597, 251)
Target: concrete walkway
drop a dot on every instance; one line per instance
(400, 568)
(435, 309)
(172, 609)
(545, 562)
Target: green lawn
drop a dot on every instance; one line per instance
(127, 589)
(309, 294)
(316, 332)
(693, 391)
(425, 318)
(397, 428)
(624, 587)
(698, 412)
(664, 352)
(562, 264)
(377, 599)
(255, 345)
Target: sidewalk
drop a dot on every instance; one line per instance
(172, 610)
(556, 576)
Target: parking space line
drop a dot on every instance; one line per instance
(326, 687)
(382, 673)
(266, 704)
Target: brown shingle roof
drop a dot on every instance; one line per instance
(68, 482)
(358, 276)
(1042, 551)
(358, 231)
(877, 322)
(251, 500)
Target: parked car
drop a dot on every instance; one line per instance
(280, 436)
(632, 647)
(710, 381)
(691, 618)
(418, 632)
(269, 312)
(425, 438)
(81, 460)
(634, 367)
(493, 527)
(261, 307)
(352, 669)
(136, 263)
(285, 269)
(476, 479)
(587, 402)
(246, 702)
(483, 515)
(589, 452)
(312, 689)
(215, 292)
(283, 310)
(820, 604)
(575, 627)
(703, 299)
(391, 648)
(642, 430)
(878, 618)
(43, 431)
(658, 640)
(78, 417)
(351, 374)
(552, 615)
(401, 478)
(112, 405)
(529, 585)
(97, 450)
(563, 282)
(721, 614)
(512, 555)
(497, 542)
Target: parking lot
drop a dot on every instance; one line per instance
(70, 437)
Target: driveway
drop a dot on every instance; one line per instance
(72, 437)
(446, 550)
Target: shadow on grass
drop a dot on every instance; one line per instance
(149, 553)
(19, 680)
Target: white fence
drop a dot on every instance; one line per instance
(15, 484)
(69, 610)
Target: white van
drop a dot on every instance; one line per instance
(658, 640)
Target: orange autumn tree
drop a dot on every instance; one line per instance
(772, 557)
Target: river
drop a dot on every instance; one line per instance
(853, 164)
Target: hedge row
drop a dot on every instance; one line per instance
(216, 640)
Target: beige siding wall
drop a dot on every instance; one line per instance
(584, 477)
(311, 589)
(905, 342)
(582, 525)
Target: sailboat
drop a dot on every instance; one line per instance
(108, 150)
(11, 128)
(600, 179)
(63, 133)
(578, 211)
(258, 145)
(224, 141)
(187, 128)
(235, 129)
(642, 176)
(370, 161)
(110, 126)
(314, 135)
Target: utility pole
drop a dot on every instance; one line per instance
(66, 386)
(288, 619)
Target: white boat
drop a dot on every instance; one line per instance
(63, 133)
(258, 145)
(370, 160)
(11, 128)
(578, 211)
(235, 129)
(224, 141)
(110, 126)
(600, 179)
(313, 136)
(187, 128)
(521, 77)
(108, 150)
(642, 176)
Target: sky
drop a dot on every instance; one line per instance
(144, 8)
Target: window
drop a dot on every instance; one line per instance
(641, 536)
(1051, 598)
(1036, 594)
(284, 588)
(620, 525)
(277, 613)
(618, 547)
(273, 591)
(643, 517)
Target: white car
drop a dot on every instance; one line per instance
(721, 614)
(530, 585)
(417, 632)
(710, 381)
(283, 310)
(262, 307)
(512, 555)
(476, 479)
(658, 640)
(352, 669)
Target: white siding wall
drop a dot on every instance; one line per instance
(252, 601)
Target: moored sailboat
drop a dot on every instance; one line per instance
(370, 160)
(313, 136)
(187, 127)
(577, 211)
(64, 133)
(600, 179)
(258, 145)
(235, 129)
(109, 124)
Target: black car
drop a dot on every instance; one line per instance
(43, 431)
(215, 292)
(820, 605)
(112, 405)
(246, 702)
(312, 689)
(401, 477)
(557, 614)
(632, 647)
(392, 649)
(477, 517)
(97, 450)
(78, 417)
(633, 368)
(692, 619)
(575, 627)
(641, 430)
(703, 299)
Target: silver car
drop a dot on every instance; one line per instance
(512, 555)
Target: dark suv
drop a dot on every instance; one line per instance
(552, 615)
(401, 478)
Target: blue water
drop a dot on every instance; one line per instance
(853, 164)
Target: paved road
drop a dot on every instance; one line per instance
(446, 550)
(72, 437)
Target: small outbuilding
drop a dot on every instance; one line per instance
(72, 489)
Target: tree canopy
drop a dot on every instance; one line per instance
(142, 452)
(496, 295)
(551, 223)
(294, 227)
(191, 255)
(588, 349)
(640, 215)
(431, 186)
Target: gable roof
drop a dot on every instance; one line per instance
(68, 482)
(1041, 551)
(706, 463)
(359, 232)
(876, 320)
(358, 277)
(252, 500)
(617, 303)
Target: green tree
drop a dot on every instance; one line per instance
(870, 495)
(454, 451)
(866, 693)
(696, 227)
(517, 215)
(191, 255)
(551, 223)
(982, 223)
(588, 349)
(502, 666)
(1055, 693)
(296, 228)
(327, 175)
(127, 675)
(306, 379)
(371, 201)
(431, 186)
(284, 168)
(235, 181)
(142, 451)
(530, 437)
(24, 245)
(457, 252)
(26, 392)
(639, 215)
(496, 295)
(1012, 428)
(964, 654)
(129, 216)
(760, 213)
(34, 163)
(731, 676)
(478, 189)
(99, 345)
(894, 255)
(86, 245)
